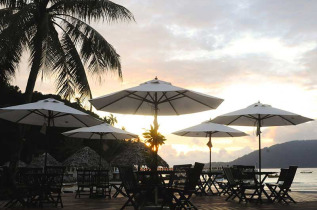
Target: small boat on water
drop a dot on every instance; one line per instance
(306, 172)
(273, 175)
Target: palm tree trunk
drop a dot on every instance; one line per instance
(33, 73)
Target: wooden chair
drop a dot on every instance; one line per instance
(178, 177)
(102, 183)
(279, 191)
(233, 188)
(83, 182)
(179, 197)
(133, 191)
(55, 175)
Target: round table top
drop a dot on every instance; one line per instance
(259, 173)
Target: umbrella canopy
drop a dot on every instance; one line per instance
(50, 111)
(20, 164)
(209, 129)
(85, 158)
(38, 162)
(264, 114)
(102, 131)
(156, 97)
(260, 115)
(141, 100)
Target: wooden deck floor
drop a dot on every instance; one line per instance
(305, 201)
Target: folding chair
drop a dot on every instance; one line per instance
(233, 188)
(55, 175)
(279, 191)
(83, 182)
(178, 197)
(133, 192)
(103, 183)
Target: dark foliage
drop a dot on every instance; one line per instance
(33, 144)
(60, 41)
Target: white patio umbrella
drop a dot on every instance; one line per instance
(209, 129)
(102, 131)
(260, 115)
(48, 112)
(156, 97)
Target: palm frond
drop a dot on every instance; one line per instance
(15, 3)
(95, 51)
(73, 76)
(91, 10)
(14, 36)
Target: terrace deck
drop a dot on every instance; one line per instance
(305, 201)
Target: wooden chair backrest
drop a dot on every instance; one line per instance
(290, 176)
(193, 176)
(128, 178)
(229, 176)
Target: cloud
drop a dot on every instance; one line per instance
(173, 157)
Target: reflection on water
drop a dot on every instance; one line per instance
(302, 181)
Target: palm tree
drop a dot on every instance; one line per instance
(60, 41)
(111, 119)
(150, 135)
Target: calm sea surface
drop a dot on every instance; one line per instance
(302, 182)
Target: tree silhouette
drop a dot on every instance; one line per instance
(60, 41)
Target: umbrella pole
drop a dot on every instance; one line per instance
(47, 139)
(209, 152)
(156, 130)
(100, 153)
(156, 148)
(259, 132)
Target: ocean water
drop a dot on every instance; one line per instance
(303, 182)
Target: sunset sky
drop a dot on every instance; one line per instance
(242, 51)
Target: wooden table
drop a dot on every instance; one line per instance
(209, 181)
(261, 182)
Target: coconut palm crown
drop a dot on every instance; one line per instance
(59, 41)
(150, 135)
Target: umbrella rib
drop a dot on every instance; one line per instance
(185, 133)
(175, 97)
(114, 136)
(72, 134)
(91, 135)
(79, 120)
(267, 116)
(139, 99)
(197, 100)
(62, 115)
(142, 98)
(164, 94)
(153, 100)
(229, 134)
(137, 109)
(286, 120)
(171, 105)
(251, 117)
(235, 119)
(30, 112)
(112, 102)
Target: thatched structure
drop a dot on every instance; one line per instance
(20, 164)
(38, 162)
(135, 153)
(85, 158)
